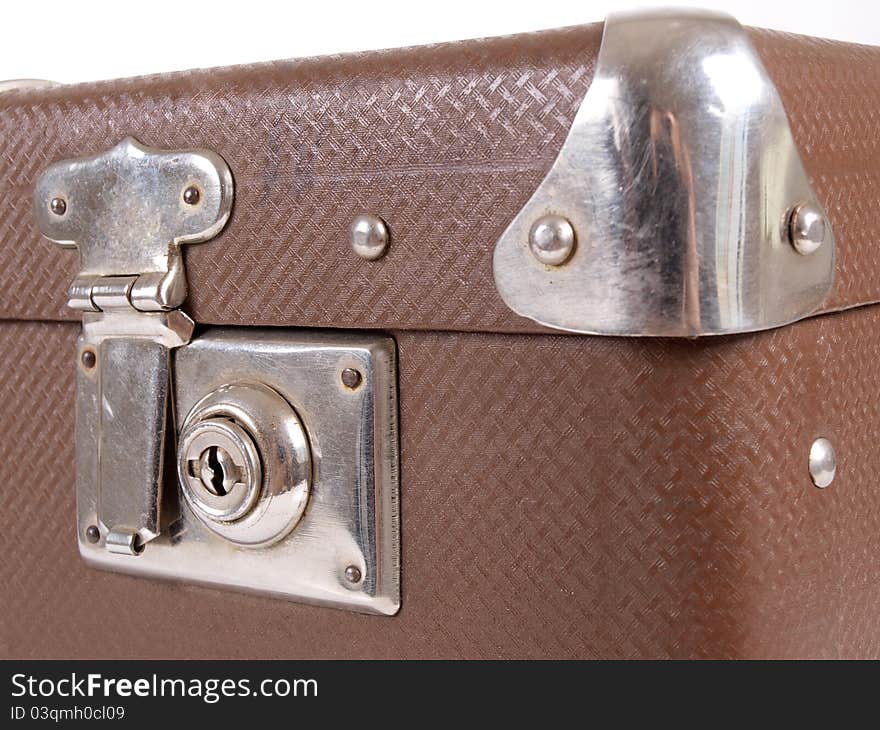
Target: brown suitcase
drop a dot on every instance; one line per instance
(614, 462)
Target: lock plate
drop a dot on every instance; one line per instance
(287, 465)
(349, 528)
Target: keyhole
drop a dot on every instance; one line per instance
(218, 475)
(216, 470)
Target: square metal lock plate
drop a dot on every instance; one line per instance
(344, 550)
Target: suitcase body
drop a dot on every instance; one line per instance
(561, 494)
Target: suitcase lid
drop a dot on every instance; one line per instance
(445, 144)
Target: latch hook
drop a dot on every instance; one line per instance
(128, 210)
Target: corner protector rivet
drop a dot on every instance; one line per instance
(93, 534)
(552, 240)
(353, 574)
(351, 378)
(58, 206)
(88, 359)
(191, 195)
(807, 228)
(823, 463)
(369, 237)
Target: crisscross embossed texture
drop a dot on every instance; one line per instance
(445, 142)
(561, 497)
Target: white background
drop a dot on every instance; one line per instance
(79, 41)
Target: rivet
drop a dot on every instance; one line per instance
(88, 359)
(369, 237)
(807, 228)
(93, 534)
(351, 378)
(823, 462)
(552, 239)
(353, 574)
(191, 195)
(58, 206)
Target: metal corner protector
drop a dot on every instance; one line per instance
(678, 204)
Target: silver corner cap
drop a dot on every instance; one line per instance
(680, 178)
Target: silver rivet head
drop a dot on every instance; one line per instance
(807, 228)
(58, 206)
(552, 240)
(191, 195)
(351, 378)
(353, 574)
(93, 534)
(823, 463)
(88, 358)
(369, 237)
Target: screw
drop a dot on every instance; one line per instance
(369, 237)
(93, 534)
(552, 240)
(353, 574)
(351, 378)
(807, 228)
(88, 359)
(58, 206)
(823, 463)
(191, 195)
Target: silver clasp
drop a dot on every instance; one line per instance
(128, 211)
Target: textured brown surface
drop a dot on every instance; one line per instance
(445, 142)
(561, 497)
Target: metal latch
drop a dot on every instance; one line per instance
(286, 463)
(128, 211)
